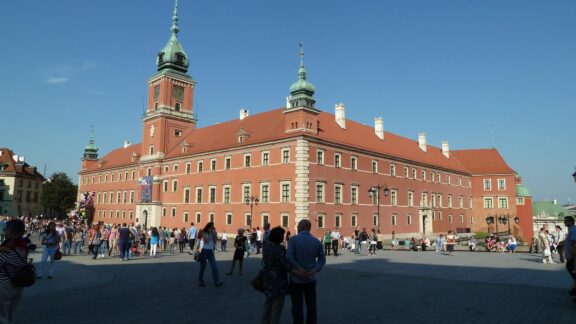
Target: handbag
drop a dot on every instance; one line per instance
(258, 281)
(197, 256)
(57, 255)
(24, 276)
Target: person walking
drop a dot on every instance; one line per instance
(13, 256)
(208, 238)
(182, 239)
(223, 242)
(78, 238)
(50, 239)
(306, 257)
(154, 239)
(239, 250)
(96, 241)
(335, 236)
(569, 248)
(450, 242)
(327, 242)
(545, 246)
(275, 275)
(192, 234)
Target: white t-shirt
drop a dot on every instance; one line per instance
(335, 235)
(258, 235)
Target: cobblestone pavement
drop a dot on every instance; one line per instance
(391, 287)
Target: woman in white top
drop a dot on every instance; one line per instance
(208, 240)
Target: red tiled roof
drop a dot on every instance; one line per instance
(483, 161)
(6, 158)
(118, 157)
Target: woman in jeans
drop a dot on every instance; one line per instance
(154, 239)
(207, 255)
(13, 256)
(50, 239)
(78, 238)
(96, 241)
(182, 239)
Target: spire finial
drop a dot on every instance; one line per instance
(302, 70)
(174, 27)
(91, 141)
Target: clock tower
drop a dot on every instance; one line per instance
(169, 112)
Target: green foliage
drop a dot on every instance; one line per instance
(58, 195)
(481, 235)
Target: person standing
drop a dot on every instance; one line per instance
(545, 245)
(335, 235)
(113, 241)
(13, 256)
(450, 242)
(50, 239)
(192, 234)
(258, 240)
(569, 248)
(275, 275)
(357, 241)
(154, 239)
(327, 242)
(306, 257)
(208, 238)
(223, 242)
(124, 242)
(96, 241)
(560, 238)
(182, 239)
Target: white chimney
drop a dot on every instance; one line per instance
(15, 157)
(287, 102)
(243, 113)
(422, 141)
(127, 144)
(340, 116)
(445, 149)
(379, 127)
(21, 159)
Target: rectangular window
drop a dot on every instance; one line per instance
(264, 192)
(433, 200)
(97, 196)
(394, 219)
(246, 192)
(354, 220)
(449, 218)
(392, 169)
(488, 202)
(164, 212)
(198, 217)
(118, 197)
(440, 215)
(211, 217)
(448, 179)
(423, 175)
(175, 167)
(198, 195)
(165, 185)
(438, 177)
(501, 184)
(405, 172)
(213, 165)
(247, 160)
(461, 201)
(200, 166)
(461, 219)
(319, 192)
(432, 177)
(519, 200)
(409, 219)
(186, 195)
(320, 219)
(375, 220)
(320, 157)
(104, 195)
(285, 192)
(228, 163)
(449, 201)
(338, 220)
(354, 163)
(265, 219)
(185, 217)
(284, 220)
(394, 197)
(410, 199)
(413, 173)
(174, 185)
(212, 195)
(487, 184)
(424, 200)
(354, 195)
(502, 202)
(124, 197)
(188, 167)
(227, 194)
(285, 155)
(440, 200)
(338, 194)
(265, 158)
(337, 160)
(228, 218)
(173, 212)
(374, 166)
(459, 181)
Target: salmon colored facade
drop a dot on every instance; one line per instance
(298, 161)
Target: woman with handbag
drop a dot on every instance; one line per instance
(274, 275)
(50, 239)
(208, 241)
(13, 256)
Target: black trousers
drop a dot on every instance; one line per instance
(192, 242)
(300, 293)
(560, 249)
(335, 247)
(327, 248)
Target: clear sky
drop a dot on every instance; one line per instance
(475, 73)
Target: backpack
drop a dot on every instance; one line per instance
(24, 276)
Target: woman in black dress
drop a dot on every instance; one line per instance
(240, 245)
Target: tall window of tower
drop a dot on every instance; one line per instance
(177, 106)
(151, 150)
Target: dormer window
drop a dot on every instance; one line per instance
(177, 133)
(179, 58)
(241, 139)
(160, 57)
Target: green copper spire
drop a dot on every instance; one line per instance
(302, 91)
(91, 150)
(173, 56)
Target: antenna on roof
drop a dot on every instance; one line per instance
(45, 168)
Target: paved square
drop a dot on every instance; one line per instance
(391, 287)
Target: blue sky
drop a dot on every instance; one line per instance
(457, 70)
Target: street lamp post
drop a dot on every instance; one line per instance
(490, 220)
(505, 219)
(251, 201)
(375, 190)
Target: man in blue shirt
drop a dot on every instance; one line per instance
(306, 257)
(569, 248)
(192, 234)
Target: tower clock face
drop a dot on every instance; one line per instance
(156, 92)
(178, 92)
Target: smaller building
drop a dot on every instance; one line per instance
(548, 214)
(20, 186)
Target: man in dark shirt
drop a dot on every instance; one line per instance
(124, 242)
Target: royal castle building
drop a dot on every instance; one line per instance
(287, 164)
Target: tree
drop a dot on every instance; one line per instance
(58, 195)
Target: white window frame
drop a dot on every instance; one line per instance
(320, 157)
(338, 194)
(337, 160)
(247, 160)
(503, 205)
(354, 220)
(226, 194)
(488, 202)
(322, 198)
(354, 190)
(265, 194)
(502, 184)
(487, 184)
(285, 155)
(265, 157)
(282, 185)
